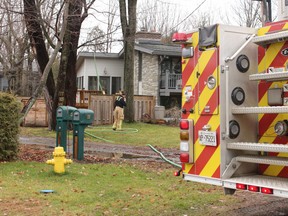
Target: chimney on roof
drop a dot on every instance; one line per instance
(145, 35)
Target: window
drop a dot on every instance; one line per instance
(116, 84)
(166, 66)
(80, 82)
(105, 84)
(92, 83)
(140, 67)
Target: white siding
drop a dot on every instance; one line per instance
(110, 67)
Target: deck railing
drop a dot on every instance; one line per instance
(171, 81)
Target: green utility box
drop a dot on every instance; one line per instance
(81, 119)
(64, 116)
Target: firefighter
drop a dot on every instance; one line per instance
(118, 113)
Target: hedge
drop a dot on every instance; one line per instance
(9, 126)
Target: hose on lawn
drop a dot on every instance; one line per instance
(100, 138)
(106, 129)
(164, 158)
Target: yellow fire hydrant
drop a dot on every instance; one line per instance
(59, 160)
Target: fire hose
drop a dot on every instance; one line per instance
(164, 158)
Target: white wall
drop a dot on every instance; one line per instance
(111, 67)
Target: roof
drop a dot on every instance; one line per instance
(84, 55)
(159, 49)
(152, 47)
(98, 55)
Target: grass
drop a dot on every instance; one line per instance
(135, 134)
(108, 189)
(103, 189)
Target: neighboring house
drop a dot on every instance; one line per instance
(157, 70)
(100, 71)
(22, 81)
(3, 82)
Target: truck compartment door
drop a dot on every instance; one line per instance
(208, 82)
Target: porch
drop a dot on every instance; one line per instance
(170, 83)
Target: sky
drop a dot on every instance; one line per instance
(219, 10)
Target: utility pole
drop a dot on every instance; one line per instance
(266, 11)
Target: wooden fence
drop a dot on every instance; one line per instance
(83, 96)
(37, 116)
(102, 105)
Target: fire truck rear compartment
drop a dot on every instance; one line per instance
(248, 161)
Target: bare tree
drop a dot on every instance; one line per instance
(48, 68)
(96, 40)
(247, 13)
(200, 19)
(112, 26)
(158, 16)
(106, 17)
(128, 23)
(14, 46)
(37, 30)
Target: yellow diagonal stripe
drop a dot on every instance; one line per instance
(212, 164)
(270, 55)
(269, 136)
(273, 170)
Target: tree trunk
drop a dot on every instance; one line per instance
(129, 80)
(128, 29)
(37, 41)
(66, 81)
(39, 49)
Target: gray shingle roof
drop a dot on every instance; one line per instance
(98, 55)
(159, 49)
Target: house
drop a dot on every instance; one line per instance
(157, 70)
(100, 71)
(3, 82)
(22, 80)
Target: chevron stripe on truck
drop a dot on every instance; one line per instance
(234, 123)
(271, 56)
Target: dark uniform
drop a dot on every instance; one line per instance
(118, 111)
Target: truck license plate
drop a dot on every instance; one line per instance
(207, 138)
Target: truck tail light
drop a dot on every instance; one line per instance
(184, 157)
(184, 135)
(186, 141)
(253, 188)
(177, 173)
(184, 146)
(267, 190)
(184, 124)
(241, 186)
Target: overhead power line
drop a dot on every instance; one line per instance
(189, 14)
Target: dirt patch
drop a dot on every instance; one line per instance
(135, 157)
(15, 206)
(95, 152)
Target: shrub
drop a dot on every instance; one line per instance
(9, 129)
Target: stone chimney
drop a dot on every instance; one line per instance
(145, 35)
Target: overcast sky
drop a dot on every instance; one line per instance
(218, 9)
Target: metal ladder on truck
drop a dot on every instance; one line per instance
(279, 185)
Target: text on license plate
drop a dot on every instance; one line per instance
(207, 138)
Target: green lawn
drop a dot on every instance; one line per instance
(104, 189)
(120, 188)
(136, 134)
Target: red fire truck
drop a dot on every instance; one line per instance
(234, 124)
